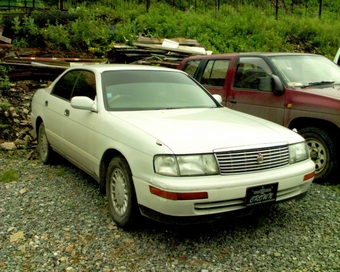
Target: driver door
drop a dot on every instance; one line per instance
(245, 96)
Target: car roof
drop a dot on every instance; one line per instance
(119, 67)
(232, 55)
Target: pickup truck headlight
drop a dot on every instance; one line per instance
(186, 165)
(298, 152)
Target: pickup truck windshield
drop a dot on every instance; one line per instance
(307, 70)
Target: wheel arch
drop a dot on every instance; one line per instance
(104, 163)
(322, 139)
(38, 121)
(303, 122)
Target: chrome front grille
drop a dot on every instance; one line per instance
(252, 160)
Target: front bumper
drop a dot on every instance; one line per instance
(188, 220)
(226, 194)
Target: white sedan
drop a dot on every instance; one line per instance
(160, 145)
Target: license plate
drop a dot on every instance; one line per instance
(261, 194)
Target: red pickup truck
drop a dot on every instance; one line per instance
(297, 90)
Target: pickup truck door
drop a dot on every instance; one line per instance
(243, 94)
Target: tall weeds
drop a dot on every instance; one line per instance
(97, 28)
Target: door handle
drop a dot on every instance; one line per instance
(233, 100)
(66, 112)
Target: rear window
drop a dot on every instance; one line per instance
(215, 72)
(191, 67)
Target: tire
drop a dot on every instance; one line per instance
(323, 151)
(46, 152)
(121, 193)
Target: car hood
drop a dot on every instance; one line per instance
(330, 92)
(205, 130)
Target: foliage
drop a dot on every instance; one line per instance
(335, 188)
(9, 176)
(4, 105)
(4, 79)
(237, 26)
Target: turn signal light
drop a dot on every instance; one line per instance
(309, 176)
(178, 196)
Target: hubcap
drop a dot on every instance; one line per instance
(318, 154)
(119, 194)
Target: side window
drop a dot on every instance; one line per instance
(64, 86)
(215, 72)
(191, 67)
(85, 85)
(248, 72)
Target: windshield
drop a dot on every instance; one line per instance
(147, 90)
(307, 70)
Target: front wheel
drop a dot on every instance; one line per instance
(323, 151)
(120, 192)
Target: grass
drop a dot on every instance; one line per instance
(335, 188)
(97, 28)
(9, 175)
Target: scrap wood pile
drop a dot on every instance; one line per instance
(39, 64)
(162, 52)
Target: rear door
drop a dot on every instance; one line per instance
(55, 105)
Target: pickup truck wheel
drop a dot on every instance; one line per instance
(120, 192)
(46, 152)
(322, 149)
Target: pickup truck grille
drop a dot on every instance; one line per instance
(252, 160)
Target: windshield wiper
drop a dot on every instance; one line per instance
(317, 83)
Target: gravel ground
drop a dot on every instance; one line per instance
(53, 218)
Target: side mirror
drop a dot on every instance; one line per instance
(218, 98)
(271, 84)
(83, 103)
(278, 86)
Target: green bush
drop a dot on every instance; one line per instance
(4, 79)
(98, 26)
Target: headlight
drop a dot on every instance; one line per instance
(187, 165)
(298, 152)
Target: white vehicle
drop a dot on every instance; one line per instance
(159, 144)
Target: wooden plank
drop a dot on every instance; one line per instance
(180, 40)
(186, 51)
(146, 40)
(6, 40)
(5, 46)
